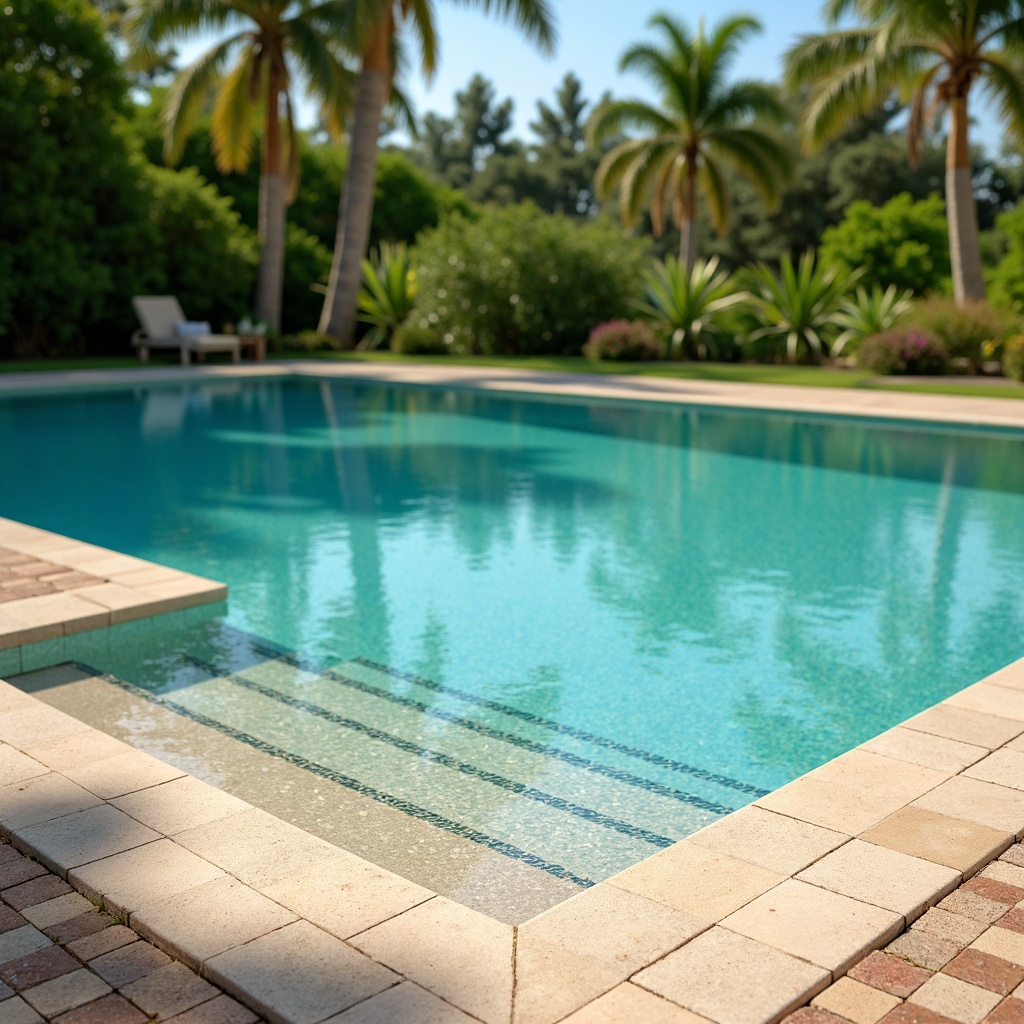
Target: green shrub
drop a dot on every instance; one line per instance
(1013, 357)
(902, 243)
(310, 341)
(388, 292)
(519, 281)
(967, 332)
(869, 312)
(414, 340)
(903, 350)
(307, 262)
(1006, 282)
(623, 340)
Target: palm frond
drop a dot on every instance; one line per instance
(149, 23)
(231, 123)
(534, 18)
(615, 117)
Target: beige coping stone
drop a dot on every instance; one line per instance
(72, 613)
(206, 920)
(41, 798)
(347, 895)
(299, 974)
(14, 631)
(463, 956)
(732, 979)
(963, 845)
(144, 577)
(630, 1004)
(85, 836)
(990, 700)
(955, 999)
(122, 774)
(78, 750)
(13, 699)
(1003, 767)
(1012, 676)
(705, 884)
(57, 910)
(146, 874)
(66, 992)
(17, 767)
(984, 802)
(256, 847)
(769, 840)
(894, 881)
(965, 726)
(180, 804)
(112, 596)
(405, 1002)
(824, 927)
(29, 727)
(572, 953)
(1003, 943)
(925, 749)
(112, 562)
(856, 1001)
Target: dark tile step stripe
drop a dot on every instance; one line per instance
(454, 828)
(437, 757)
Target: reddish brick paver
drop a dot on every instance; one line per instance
(26, 576)
(968, 978)
(150, 986)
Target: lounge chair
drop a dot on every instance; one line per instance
(164, 326)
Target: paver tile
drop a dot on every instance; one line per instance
(884, 877)
(10, 919)
(970, 904)
(728, 977)
(28, 727)
(999, 807)
(42, 965)
(256, 847)
(57, 910)
(628, 1002)
(114, 937)
(992, 889)
(1002, 871)
(1014, 855)
(990, 700)
(911, 1013)
(856, 1001)
(457, 953)
(77, 750)
(17, 767)
(129, 963)
(1003, 767)
(954, 842)
(1009, 1011)
(145, 874)
(222, 1010)
(168, 991)
(17, 1011)
(1013, 919)
(769, 840)
(210, 919)
(86, 836)
(706, 884)
(926, 749)
(405, 1002)
(1003, 943)
(112, 1009)
(302, 972)
(826, 928)
(814, 1015)
(35, 891)
(65, 993)
(182, 804)
(20, 942)
(985, 971)
(123, 773)
(955, 999)
(40, 799)
(78, 927)
(1012, 676)
(923, 949)
(14, 872)
(347, 895)
(955, 928)
(966, 726)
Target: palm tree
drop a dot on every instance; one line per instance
(253, 68)
(931, 52)
(703, 123)
(373, 24)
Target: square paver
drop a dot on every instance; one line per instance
(923, 748)
(705, 884)
(955, 842)
(145, 874)
(956, 928)
(875, 874)
(347, 895)
(17, 1011)
(222, 1010)
(966, 726)
(990, 700)
(889, 974)
(923, 949)
(856, 1001)
(405, 1002)
(985, 971)
(77, 750)
(628, 1002)
(955, 999)
(1012, 676)
(112, 1009)
(1004, 871)
(41, 798)
(20, 942)
(209, 919)
(86, 836)
(972, 905)
(168, 991)
(57, 910)
(111, 938)
(17, 767)
(823, 927)
(1000, 942)
(459, 954)
(129, 963)
(728, 977)
(182, 804)
(124, 773)
(65, 993)
(999, 807)
(769, 840)
(35, 968)
(1003, 767)
(300, 973)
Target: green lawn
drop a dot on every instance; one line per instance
(753, 373)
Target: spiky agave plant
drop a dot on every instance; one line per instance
(388, 293)
(688, 307)
(869, 312)
(799, 303)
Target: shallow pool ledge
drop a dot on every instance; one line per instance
(53, 587)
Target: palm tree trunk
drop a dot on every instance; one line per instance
(964, 251)
(688, 221)
(338, 318)
(270, 278)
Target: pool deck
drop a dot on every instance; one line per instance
(741, 923)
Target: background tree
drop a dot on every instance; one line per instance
(933, 51)
(276, 39)
(702, 124)
(373, 25)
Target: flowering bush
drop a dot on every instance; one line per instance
(1013, 357)
(623, 340)
(903, 350)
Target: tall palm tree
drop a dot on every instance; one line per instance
(254, 68)
(932, 52)
(703, 122)
(374, 24)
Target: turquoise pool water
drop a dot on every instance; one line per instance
(576, 630)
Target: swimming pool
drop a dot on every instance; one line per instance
(567, 632)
